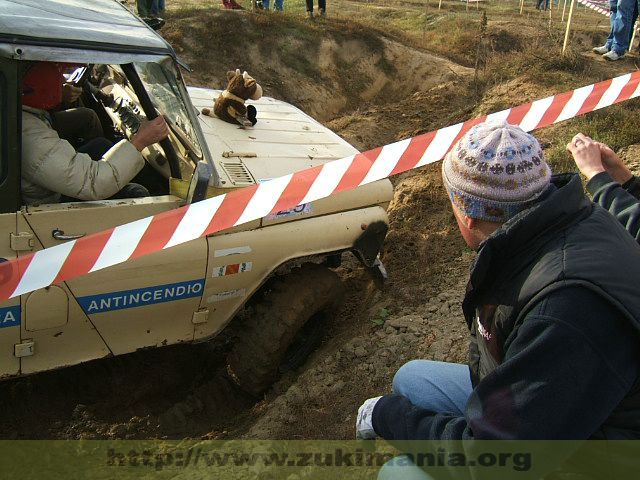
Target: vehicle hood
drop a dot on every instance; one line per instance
(284, 140)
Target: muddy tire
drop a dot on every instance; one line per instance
(291, 301)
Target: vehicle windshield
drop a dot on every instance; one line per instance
(162, 85)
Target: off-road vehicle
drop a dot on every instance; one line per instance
(190, 292)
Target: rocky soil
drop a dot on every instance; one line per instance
(372, 90)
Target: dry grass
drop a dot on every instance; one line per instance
(520, 54)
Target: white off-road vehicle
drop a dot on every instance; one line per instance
(189, 293)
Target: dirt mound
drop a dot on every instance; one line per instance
(416, 316)
(325, 71)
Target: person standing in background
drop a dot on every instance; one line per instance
(322, 8)
(144, 7)
(624, 14)
(157, 8)
(278, 5)
(542, 5)
(231, 5)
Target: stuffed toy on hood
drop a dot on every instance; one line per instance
(230, 107)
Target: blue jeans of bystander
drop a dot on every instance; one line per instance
(322, 5)
(542, 4)
(157, 7)
(435, 386)
(624, 14)
(277, 5)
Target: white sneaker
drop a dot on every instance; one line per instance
(601, 50)
(612, 55)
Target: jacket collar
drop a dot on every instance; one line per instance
(41, 114)
(510, 247)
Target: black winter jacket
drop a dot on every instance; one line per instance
(560, 354)
(621, 200)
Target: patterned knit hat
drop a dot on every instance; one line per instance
(495, 171)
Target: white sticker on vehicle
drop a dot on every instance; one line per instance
(232, 269)
(231, 251)
(221, 296)
(299, 210)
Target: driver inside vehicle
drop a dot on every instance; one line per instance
(93, 168)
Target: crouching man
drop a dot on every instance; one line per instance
(553, 313)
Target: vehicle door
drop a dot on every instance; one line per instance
(146, 302)
(10, 311)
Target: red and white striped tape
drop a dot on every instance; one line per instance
(132, 240)
(596, 7)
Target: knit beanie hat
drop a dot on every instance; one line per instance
(495, 171)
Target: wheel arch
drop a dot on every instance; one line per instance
(240, 263)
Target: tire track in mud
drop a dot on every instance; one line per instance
(172, 392)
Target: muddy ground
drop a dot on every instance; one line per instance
(372, 88)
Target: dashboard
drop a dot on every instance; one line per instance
(111, 89)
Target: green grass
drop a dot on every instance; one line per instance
(615, 126)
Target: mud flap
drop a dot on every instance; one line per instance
(367, 247)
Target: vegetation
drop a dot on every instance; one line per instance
(516, 58)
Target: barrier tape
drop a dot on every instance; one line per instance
(596, 7)
(165, 230)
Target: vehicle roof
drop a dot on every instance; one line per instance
(96, 24)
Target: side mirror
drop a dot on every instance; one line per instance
(199, 182)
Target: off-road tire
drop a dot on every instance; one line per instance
(291, 301)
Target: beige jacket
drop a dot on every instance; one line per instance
(51, 166)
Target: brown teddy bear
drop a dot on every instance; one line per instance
(230, 107)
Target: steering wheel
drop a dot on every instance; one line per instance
(151, 113)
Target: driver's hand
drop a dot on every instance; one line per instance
(70, 94)
(150, 132)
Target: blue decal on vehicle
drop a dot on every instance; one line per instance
(141, 297)
(10, 316)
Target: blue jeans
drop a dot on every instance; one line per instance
(436, 386)
(144, 7)
(624, 14)
(542, 4)
(322, 5)
(277, 4)
(157, 7)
